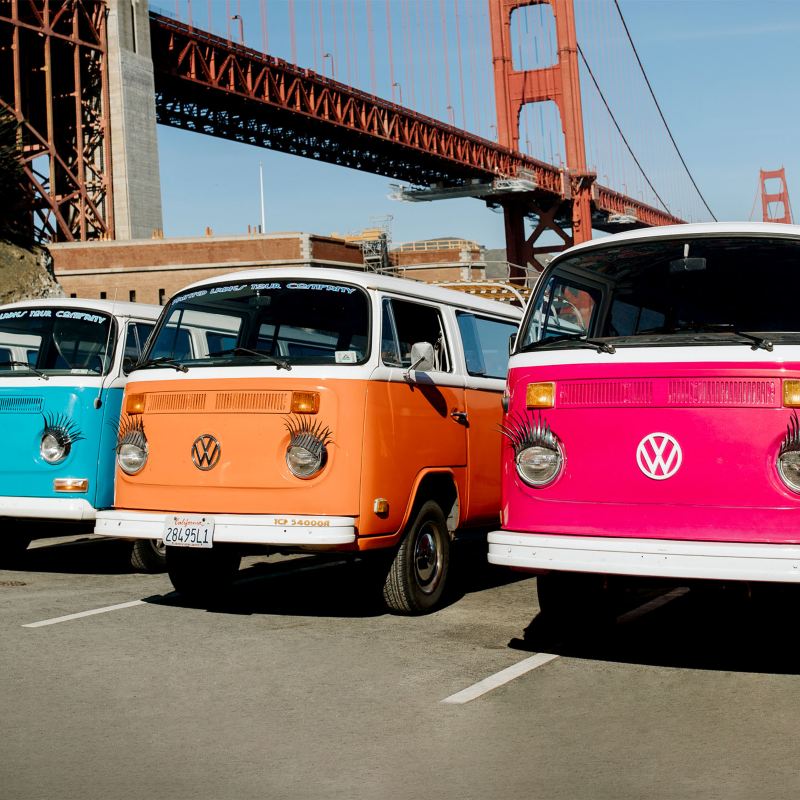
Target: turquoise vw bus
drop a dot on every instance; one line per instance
(63, 365)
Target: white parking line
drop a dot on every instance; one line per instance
(132, 603)
(540, 659)
(499, 678)
(654, 604)
(68, 617)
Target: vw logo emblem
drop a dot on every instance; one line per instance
(659, 456)
(206, 451)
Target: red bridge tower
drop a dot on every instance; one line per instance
(560, 83)
(782, 212)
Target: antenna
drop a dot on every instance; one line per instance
(97, 401)
(261, 184)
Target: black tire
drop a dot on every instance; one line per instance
(576, 599)
(202, 575)
(13, 543)
(149, 555)
(418, 573)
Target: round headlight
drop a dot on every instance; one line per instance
(538, 466)
(53, 448)
(789, 469)
(131, 457)
(304, 463)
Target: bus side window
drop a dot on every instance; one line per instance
(485, 344)
(390, 350)
(414, 322)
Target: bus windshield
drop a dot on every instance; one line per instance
(54, 341)
(670, 292)
(280, 322)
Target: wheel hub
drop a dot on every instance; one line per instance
(427, 560)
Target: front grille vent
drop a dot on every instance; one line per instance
(175, 402)
(264, 402)
(605, 393)
(20, 405)
(720, 392)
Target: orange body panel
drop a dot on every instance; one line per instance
(247, 416)
(485, 441)
(408, 430)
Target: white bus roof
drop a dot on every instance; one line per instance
(115, 308)
(694, 229)
(367, 280)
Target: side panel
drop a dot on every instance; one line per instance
(484, 443)
(407, 430)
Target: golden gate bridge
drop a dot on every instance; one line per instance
(539, 108)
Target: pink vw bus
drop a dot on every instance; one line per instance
(651, 425)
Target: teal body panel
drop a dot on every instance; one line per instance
(23, 471)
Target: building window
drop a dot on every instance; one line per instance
(103, 295)
(161, 295)
(132, 295)
(73, 295)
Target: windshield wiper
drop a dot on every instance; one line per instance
(578, 338)
(166, 361)
(280, 363)
(27, 366)
(759, 342)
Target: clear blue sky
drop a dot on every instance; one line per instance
(725, 72)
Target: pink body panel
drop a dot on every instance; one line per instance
(728, 419)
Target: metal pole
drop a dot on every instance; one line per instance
(261, 184)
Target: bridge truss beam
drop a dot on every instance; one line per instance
(207, 84)
(53, 80)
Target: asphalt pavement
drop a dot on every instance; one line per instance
(300, 686)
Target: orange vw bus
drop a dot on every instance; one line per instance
(314, 410)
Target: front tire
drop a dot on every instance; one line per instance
(418, 573)
(149, 555)
(202, 575)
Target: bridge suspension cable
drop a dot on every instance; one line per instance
(619, 130)
(660, 112)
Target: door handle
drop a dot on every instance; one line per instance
(459, 416)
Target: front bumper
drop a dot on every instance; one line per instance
(669, 558)
(73, 509)
(274, 529)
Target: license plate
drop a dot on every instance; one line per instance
(183, 531)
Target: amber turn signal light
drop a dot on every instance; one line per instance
(791, 394)
(71, 484)
(540, 395)
(134, 404)
(305, 402)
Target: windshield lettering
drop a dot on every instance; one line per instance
(272, 324)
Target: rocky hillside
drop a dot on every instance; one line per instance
(25, 275)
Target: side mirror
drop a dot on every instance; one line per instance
(512, 343)
(422, 358)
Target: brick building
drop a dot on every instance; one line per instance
(152, 270)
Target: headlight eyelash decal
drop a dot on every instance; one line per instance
(65, 430)
(308, 433)
(131, 431)
(529, 430)
(791, 442)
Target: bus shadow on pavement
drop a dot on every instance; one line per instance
(732, 628)
(84, 555)
(328, 586)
